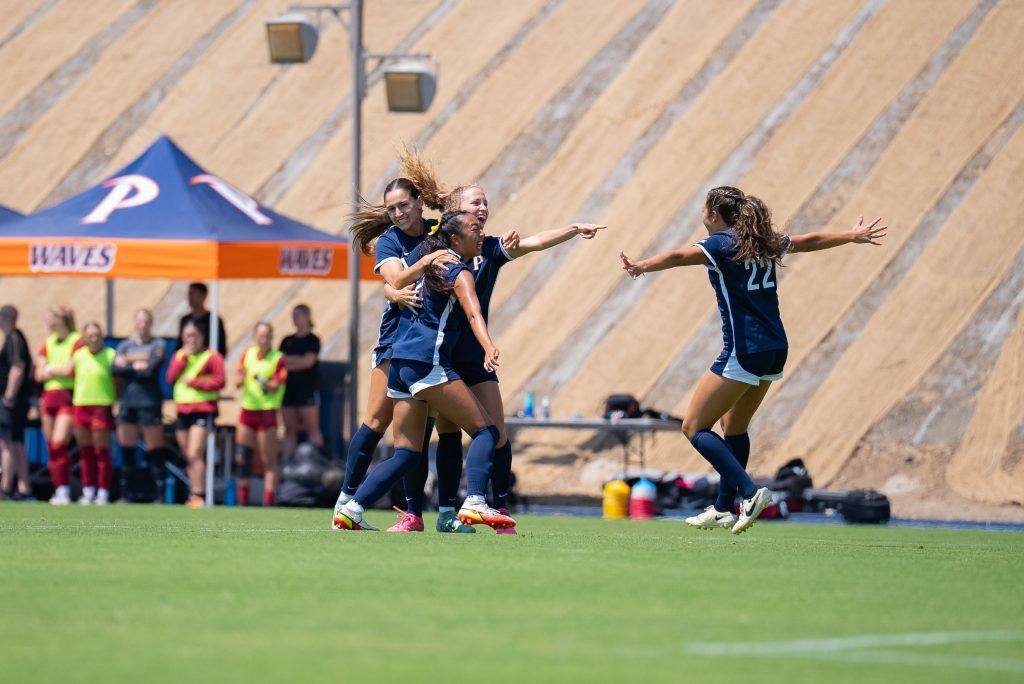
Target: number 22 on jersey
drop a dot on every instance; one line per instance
(766, 282)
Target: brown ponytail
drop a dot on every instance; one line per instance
(450, 225)
(751, 220)
(423, 175)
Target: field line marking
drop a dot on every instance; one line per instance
(910, 658)
(839, 644)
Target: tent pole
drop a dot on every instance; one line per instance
(356, 35)
(211, 439)
(110, 306)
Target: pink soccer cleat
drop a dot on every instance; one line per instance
(505, 530)
(407, 522)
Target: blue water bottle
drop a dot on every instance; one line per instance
(169, 488)
(528, 402)
(230, 492)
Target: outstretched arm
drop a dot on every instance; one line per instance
(465, 292)
(516, 246)
(687, 256)
(859, 234)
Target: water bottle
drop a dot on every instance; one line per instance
(231, 492)
(545, 408)
(169, 488)
(528, 402)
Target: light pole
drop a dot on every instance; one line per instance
(292, 38)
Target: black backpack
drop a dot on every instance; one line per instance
(865, 506)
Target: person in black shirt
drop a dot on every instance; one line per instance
(15, 389)
(200, 315)
(301, 410)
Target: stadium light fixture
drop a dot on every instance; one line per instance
(410, 85)
(291, 38)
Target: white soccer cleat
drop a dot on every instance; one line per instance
(60, 499)
(711, 519)
(88, 496)
(102, 497)
(349, 517)
(751, 508)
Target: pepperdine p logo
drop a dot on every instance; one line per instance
(71, 257)
(305, 261)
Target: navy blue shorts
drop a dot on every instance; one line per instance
(750, 368)
(408, 378)
(474, 373)
(381, 353)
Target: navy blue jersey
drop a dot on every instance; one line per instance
(430, 333)
(395, 245)
(747, 295)
(485, 272)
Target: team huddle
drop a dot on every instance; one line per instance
(435, 363)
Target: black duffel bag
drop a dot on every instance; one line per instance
(621, 406)
(865, 506)
(302, 477)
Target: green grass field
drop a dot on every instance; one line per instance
(157, 594)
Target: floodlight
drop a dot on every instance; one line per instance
(291, 38)
(410, 86)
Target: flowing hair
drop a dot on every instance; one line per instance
(450, 225)
(751, 220)
(370, 221)
(424, 176)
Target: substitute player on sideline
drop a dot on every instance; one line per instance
(422, 379)
(55, 408)
(197, 375)
(262, 377)
(742, 252)
(93, 398)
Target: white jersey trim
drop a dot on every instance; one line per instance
(376, 266)
(714, 264)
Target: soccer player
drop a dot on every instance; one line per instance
(468, 356)
(93, 398)
(299, 408)
(262, 377)
(392, 232)
(421, 378)
(197, 375)
(55, 409)
(137, 365)
(742, 252)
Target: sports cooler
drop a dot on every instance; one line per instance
(641, 500)
(616, 500)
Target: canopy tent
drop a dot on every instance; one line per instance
(163, 216)
(8, 214)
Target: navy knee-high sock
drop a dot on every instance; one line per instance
(716, 452)
(480, 460)
(385, 476)
(740, 447)
(449, 468)
(501, 477)
(360, 454)
(416, 479)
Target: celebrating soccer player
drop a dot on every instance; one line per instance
(742, 252)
